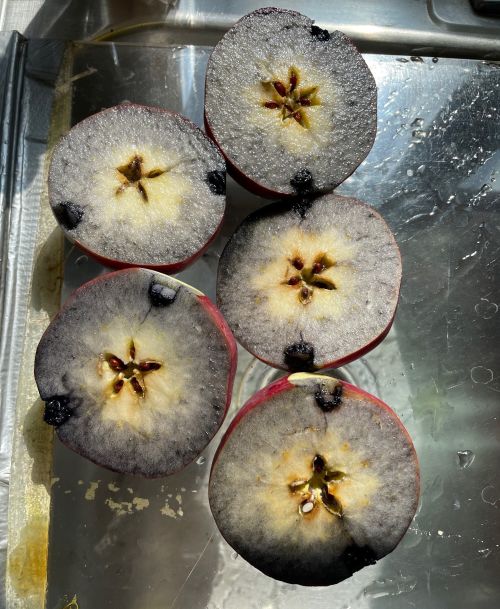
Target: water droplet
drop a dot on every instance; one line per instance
(402, 59)
(489, 495)
(481, 375)
(486, 309)
(435, 59)
(421, 169)
(409, 172)
(234, 555)
(81, 260)
(419, 133)
(469, 255)
(485, 552)
(418, 122)
(465, 459)
(440, 533)
(456, 504)
(200, 460)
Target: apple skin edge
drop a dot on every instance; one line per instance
(219, 321)
(286, 384)
(167, 268)
(335, 363)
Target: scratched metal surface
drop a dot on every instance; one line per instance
(121, 541)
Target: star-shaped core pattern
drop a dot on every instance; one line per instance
(309, 278)
(132, 175)
(132, 372)
(319, 489)
(290, 99)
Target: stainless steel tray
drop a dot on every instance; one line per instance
(119, 541)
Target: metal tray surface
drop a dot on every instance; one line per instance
(120, 541)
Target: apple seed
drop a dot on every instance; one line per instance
(290, 99)
(132, 372)
(318, 489)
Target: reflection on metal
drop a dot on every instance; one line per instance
(415, 27)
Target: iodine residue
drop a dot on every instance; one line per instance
(27, 563)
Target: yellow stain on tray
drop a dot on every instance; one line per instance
(73, 604)
(27, 563)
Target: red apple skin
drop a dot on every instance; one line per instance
(221, 323)
(219, 320)
(284, 384)
(169, 268)
(255, 187)
(335, 363)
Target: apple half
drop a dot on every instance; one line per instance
(136, 372)
(138, 186)
(314, 480)
(311, 285)
(292, 107)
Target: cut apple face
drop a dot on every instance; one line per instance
(134, 185)
(310, 286)
(291, 106)
(314, 480)
(136, 372)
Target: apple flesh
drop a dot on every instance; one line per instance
(314, 480)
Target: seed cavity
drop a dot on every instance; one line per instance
(57, 410)
(290, 99)
(319, 489)
(161, 295)
(299, 356)
(309, 278)
(217, 182)
(132, 175)
(132, 372)
(68, 214)
(319, 34)
(326, 400)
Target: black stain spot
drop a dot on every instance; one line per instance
(299, 356)
(161, 295)
(327, 401)
(356, 557)
(302, 181)
(217, 182)
(302, 206)
(319, 34)
(68, 214)
(57, 410)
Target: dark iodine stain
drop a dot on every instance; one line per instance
(216, 181)
(302, 182)
(161, 295)
(57, 410)
(327, 400)
(319, 34)
(299, 356)
(68, 214)
(356, 557)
